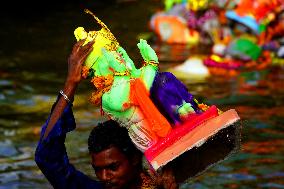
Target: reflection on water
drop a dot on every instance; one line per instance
(32, 72)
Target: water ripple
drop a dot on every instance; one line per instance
(239, 176)
(271, 185)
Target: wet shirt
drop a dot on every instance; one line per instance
(51, 156)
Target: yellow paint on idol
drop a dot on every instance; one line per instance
(196, 5)
(102, 39)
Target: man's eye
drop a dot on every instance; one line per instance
(96, 168)
(113, 167)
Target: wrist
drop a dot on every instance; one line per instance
(69, 89)
(65, 96)
(151, 62)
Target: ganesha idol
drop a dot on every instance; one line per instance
(163, 119)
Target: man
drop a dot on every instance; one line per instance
(116, 161)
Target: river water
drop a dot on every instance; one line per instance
(33, 64)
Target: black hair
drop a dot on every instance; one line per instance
(110, 134)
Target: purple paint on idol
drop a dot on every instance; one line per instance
(168, 93)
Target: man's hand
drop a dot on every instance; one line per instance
(77, 59)
(75, 63)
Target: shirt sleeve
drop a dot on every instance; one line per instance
(51, 156)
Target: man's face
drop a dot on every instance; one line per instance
(113, 168)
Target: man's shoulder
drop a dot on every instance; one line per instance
(147, 181)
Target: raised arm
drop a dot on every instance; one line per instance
(75, 62)
(51, 156)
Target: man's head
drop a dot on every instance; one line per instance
(116, 160)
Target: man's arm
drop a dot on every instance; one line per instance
(51, 156)
(75, 62)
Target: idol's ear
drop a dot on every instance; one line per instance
(102, 66)
(112, 61)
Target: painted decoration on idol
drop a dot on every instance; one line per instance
(163, 119)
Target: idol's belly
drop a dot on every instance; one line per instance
(138, 127)
(117, 104)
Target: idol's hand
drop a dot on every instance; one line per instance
(77, 59)
(146, 51)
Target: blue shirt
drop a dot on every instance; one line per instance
(52, 159)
